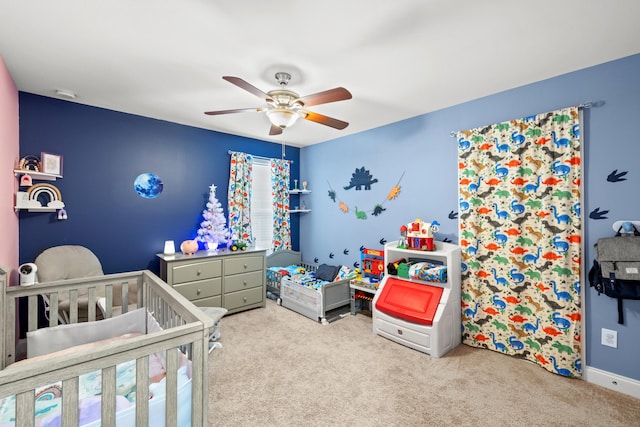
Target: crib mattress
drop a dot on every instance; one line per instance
(410, 301)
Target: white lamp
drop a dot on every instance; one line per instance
(282, 117)
(169, 247)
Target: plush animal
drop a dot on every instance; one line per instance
(189, 247)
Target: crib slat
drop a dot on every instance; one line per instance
(10, 335)
(53, 309)
(25, 409)
(70, 402)
(73, 306)
(91, 305)
(142, 391)
(108, 296)
(109, 397)
(199, 390)
(172, 388)
(32, 323)
(124, 295)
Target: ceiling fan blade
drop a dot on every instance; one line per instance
(324, 120)
(275, 130)
(242, 84)
(237, 110)
(331, 95)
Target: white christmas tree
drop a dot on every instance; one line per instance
(213, 230)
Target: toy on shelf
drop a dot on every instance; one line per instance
(242, 246)
(372, 264)
(418, 235)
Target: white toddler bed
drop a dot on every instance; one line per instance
(156, 376)
(295, 294)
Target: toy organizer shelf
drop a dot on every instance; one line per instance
(434, 337)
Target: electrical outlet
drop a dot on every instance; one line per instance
(609, 338)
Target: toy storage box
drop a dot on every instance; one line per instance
(432, 332)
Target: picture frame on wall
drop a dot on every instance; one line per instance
(51, 163)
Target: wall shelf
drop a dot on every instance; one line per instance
(37, 175)
(22, 202)
(44, 209)
(299, 192)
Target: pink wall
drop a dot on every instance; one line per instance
(9, 154)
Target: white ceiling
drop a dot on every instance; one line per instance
(399, 58)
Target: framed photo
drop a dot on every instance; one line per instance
(51, 163)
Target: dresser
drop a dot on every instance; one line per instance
(233, 280)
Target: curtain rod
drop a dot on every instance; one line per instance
(587, 104)
(260, 157)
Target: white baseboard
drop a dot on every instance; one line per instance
(612, 381)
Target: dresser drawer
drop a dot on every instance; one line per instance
(239, 282)
(209, 302)
(243, 264)
(197, 271)
(200, 289)
(239, 299)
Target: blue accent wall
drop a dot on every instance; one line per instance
(103, 152)
(423, 154)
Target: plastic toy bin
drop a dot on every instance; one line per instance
(413, 302)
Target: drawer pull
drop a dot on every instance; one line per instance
(199, 272)
(244, 299)
(399, 331)
(245, 283)
(198, 292)
(245, 266)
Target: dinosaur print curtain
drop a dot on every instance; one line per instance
(239, 196)
(280, 175)
(520, 234)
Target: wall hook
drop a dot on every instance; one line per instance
(625, 226)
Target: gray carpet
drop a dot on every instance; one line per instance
(279, 368)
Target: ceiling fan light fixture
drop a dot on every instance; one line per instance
(282, 117)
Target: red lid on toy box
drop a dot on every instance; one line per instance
(413, 302)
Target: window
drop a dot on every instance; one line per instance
(261, 204)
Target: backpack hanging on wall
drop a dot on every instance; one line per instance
(616, 268)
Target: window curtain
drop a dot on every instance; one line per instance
(520, 234)
(239, 197)
(280, 175)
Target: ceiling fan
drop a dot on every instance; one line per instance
(285, 106)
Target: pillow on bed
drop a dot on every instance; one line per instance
(327, 272)
(56, 338)
(345, 273)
